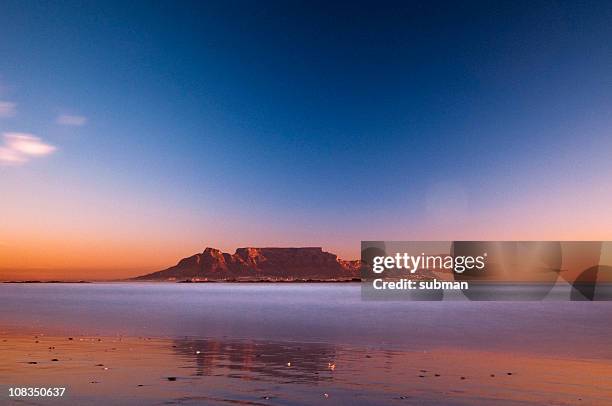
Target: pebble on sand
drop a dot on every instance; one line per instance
(54, 360)
(171, 378)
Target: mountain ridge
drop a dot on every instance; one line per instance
(259, 264)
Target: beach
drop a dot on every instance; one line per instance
(294, 344)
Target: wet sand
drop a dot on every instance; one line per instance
(143, 370)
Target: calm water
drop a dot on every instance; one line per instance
(296, 344)
(327, 313)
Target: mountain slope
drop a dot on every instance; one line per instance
(260, 264)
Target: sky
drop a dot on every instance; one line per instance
(132, 135)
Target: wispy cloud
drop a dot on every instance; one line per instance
(19, 148)
(71, 120)
(7, 109)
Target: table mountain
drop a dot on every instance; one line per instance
(272, 264)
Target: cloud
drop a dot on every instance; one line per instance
(75, 121)
(7, 109)
(19, 148)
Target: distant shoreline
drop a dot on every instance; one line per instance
(271, 281)
(55, 281)
(353, 280)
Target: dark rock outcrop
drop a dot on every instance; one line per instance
(252, 264)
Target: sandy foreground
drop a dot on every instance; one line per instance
(144, 370)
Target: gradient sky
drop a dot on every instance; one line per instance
(136, 134)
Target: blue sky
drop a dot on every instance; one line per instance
(304, 123)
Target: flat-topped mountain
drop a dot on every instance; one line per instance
(272, 264)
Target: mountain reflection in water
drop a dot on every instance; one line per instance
(127, 370)
(284, 362)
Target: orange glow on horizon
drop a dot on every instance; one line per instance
(79, 237)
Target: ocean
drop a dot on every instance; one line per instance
(298, 344)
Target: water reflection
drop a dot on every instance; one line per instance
(278, 362)
(147, 370)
